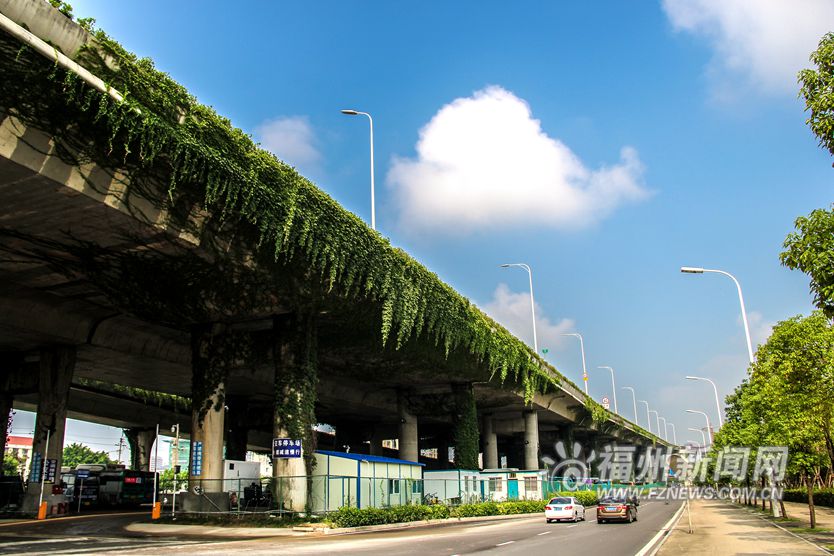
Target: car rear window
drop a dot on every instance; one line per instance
(559, 501)
(612, 500)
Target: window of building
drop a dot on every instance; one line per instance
(495, 484)
(530, 484)
(394, 486)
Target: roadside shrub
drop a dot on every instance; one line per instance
(353, 517)
(584, 497)
(822, 497)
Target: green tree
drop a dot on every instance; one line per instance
(11, 465)
(788, 399)
(811, 249)
(817, 88)
(75, 454)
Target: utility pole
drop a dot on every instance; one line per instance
(121, 444)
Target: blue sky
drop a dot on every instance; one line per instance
(605, 144)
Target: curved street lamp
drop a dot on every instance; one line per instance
(634, 400)
(648, 415)
(351, 112)
(532, 301)
(715, 390)
(709, 428)
(674, 434)
(699, 270)
(613, 387)
(582, 347)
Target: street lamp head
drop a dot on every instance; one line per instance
(692, 270)
(350, 112)
(505, 265)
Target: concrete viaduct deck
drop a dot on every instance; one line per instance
(99, 285)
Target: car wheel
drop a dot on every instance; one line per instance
(600, 521)
(547, 520)
(575, 517)
(635, 516)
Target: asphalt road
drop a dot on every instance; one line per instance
(529, 536)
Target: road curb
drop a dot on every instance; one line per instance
(425, 523)
(788, 531)
(657, 541)
(168, 529)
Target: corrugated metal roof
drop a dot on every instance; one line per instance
(368, 458)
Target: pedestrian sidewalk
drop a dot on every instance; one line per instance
(719, 527)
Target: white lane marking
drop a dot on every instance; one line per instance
(545, 533)
(504, 543)
(663, 532)
(569, 526)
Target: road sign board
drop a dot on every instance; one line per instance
(82, 473)
(606, 402)
(286, 448)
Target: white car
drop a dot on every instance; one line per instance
(564, 508)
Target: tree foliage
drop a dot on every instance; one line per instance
(788, 397)
(817, 88)
(76, 454)
(811, 249)
(11, 465)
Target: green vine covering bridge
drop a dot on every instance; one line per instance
(206, 268)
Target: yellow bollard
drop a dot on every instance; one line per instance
(42, 511)
(156, 513)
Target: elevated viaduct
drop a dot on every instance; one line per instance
(150, 253)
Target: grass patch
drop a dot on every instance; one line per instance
(809, 530)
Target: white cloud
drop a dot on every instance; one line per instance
(291, 139)
(512, 310)
(765, 42)
(484, 161)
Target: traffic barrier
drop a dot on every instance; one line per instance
(42, 510)
(156, 513)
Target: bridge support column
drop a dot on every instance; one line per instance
(141, 446)
(531, 440)
(465, 421)
(54, 380)
(490, 441)
(408, 436)
(208, 412)
(238, 433)
(295, 359)
(376, 443)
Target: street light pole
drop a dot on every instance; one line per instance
(703, 437)
(532, 301)
(613, 387)
(633, 399)
(350, 112)
(657, 421)
(709, 428)
(665, 429)
(715, 390)
(674, 434)
(648, 415)
(581, 347)
(698, 270)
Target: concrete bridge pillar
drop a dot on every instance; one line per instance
(208, 413)
(295, 359)
(55, 377)
(490, 442)
(531, 440)
(408, 436)
(141, 447)
(377, 436)
(237, 436)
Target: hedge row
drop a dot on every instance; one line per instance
(354, 517)
(822, 497)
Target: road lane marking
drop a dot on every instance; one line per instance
(662, 534)
(504, 543)
(545, 533)
(569, 526)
